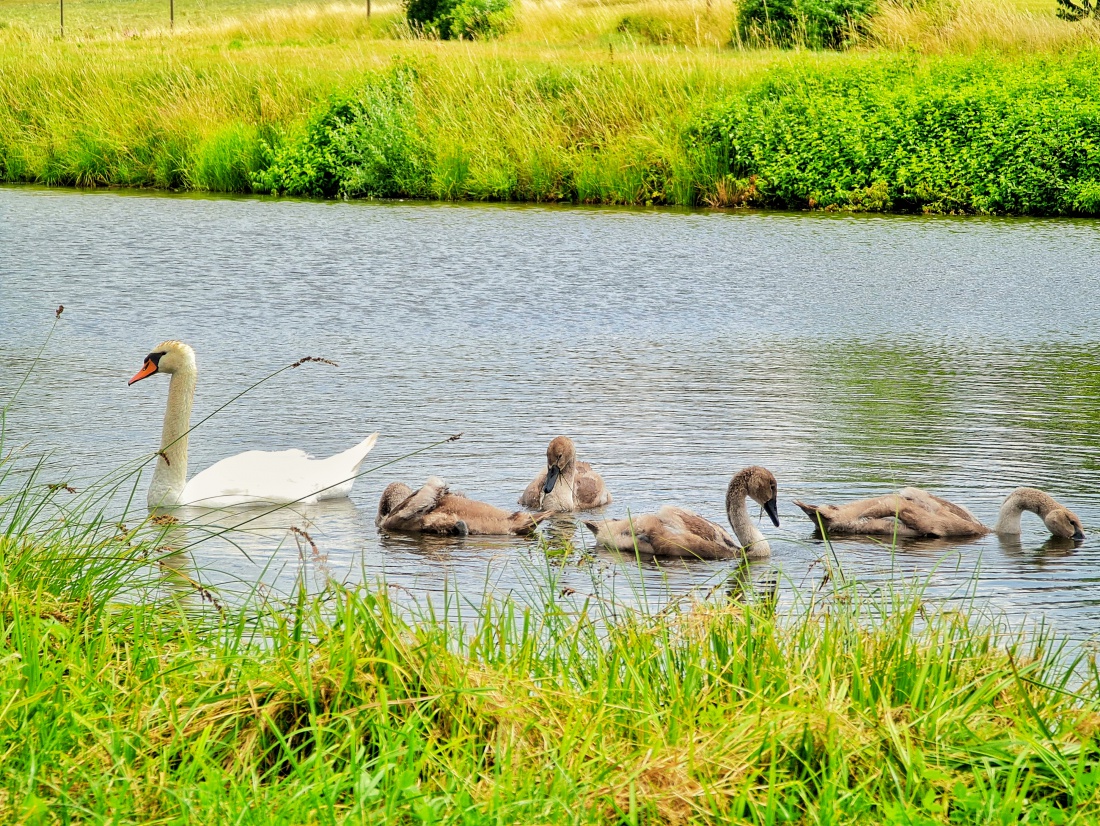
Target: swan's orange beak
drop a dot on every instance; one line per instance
(145, 372)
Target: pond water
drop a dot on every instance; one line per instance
(849, 354)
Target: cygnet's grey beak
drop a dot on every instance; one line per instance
(771, 507)
(552, 474)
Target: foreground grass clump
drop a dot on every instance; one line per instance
(129, 704)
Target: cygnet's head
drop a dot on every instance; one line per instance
(559, 455)
(763, 489)
(1064, 522)
(394, 494)
(167, 357)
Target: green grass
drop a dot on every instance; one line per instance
(592, 102)
(954, 135)
(130, 692)
(128, 703)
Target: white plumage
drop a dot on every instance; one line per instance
(276, 477)
(255, 477)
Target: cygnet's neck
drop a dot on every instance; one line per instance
(170, 475)
(1020, 500)
(562, 498)
(744, 528)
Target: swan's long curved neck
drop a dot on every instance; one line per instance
(748, 534)
(1019, 501)
(170, 475)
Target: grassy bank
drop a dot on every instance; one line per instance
(636, 103)
(133, 695)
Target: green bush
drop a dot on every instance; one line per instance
(1074, 12)
(359, 145)
(985, 135)
(817, 24)
(460, 19)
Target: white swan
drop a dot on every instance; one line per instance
(255, 477)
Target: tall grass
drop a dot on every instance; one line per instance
(971, 26)
(496, 122)
(340, 708)
(593, 102)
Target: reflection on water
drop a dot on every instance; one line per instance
(849, 355)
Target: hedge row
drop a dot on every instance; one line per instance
(981, 135)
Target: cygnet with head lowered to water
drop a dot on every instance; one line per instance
(913, 512)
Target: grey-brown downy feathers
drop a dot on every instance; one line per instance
(435, 509)
(565, 484)
(913, 512)
(677, 533)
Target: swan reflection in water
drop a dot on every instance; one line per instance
(1011, 545)
(237, 551)
(1054, 549)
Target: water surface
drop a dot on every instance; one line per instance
(850, 355)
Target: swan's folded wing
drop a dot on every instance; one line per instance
(336, 475)
(626, 535)
(696, 524)
(260, 477)
(864, 516)
(939, 505)
(411, 514)
(687, 535)
(589, 488)
(531, 497)
(253, 477)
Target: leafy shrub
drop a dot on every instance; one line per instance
(983, 135)
(817, 24)
(1083, 10)
(460, 19)
(363, 144)
(425, 14)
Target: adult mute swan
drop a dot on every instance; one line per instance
(435, 509)
(916, 512)
(680, 534)
(566, 484)
(255, 477)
